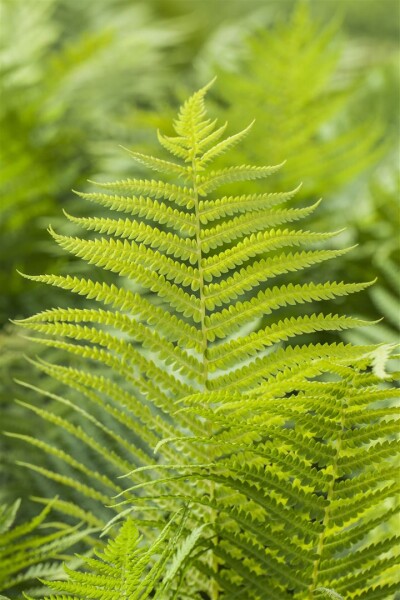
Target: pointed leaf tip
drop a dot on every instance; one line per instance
(210, 83)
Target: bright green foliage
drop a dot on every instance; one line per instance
(302, 472)
(126, 569)
(280, 449)
(27, 552)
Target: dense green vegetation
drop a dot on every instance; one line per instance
(231, 513)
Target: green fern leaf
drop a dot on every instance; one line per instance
(124, 569)
(285, 454)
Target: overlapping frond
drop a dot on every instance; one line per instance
(300, 486)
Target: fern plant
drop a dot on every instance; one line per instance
(126, 569)
(285, 452)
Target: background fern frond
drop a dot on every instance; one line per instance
(33, 549)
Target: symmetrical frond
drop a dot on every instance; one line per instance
(260, 438)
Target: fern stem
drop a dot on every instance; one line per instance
(201, 274)
(214, 588)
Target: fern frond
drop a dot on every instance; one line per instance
(259, 271)
(280, 367)
(171, 326)
(141, 233)
(258, 243)
(285, 453)
(157, 164)
(227, 233)
(180, 359)
(230, 319)
(180, 195)
(223, 146)
(127, 569)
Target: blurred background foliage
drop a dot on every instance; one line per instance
(81, 77)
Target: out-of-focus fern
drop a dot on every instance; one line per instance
(377, 236)
(14, 351)
(32, 549)
(287, 83)
(280, 449)
(54, 101)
